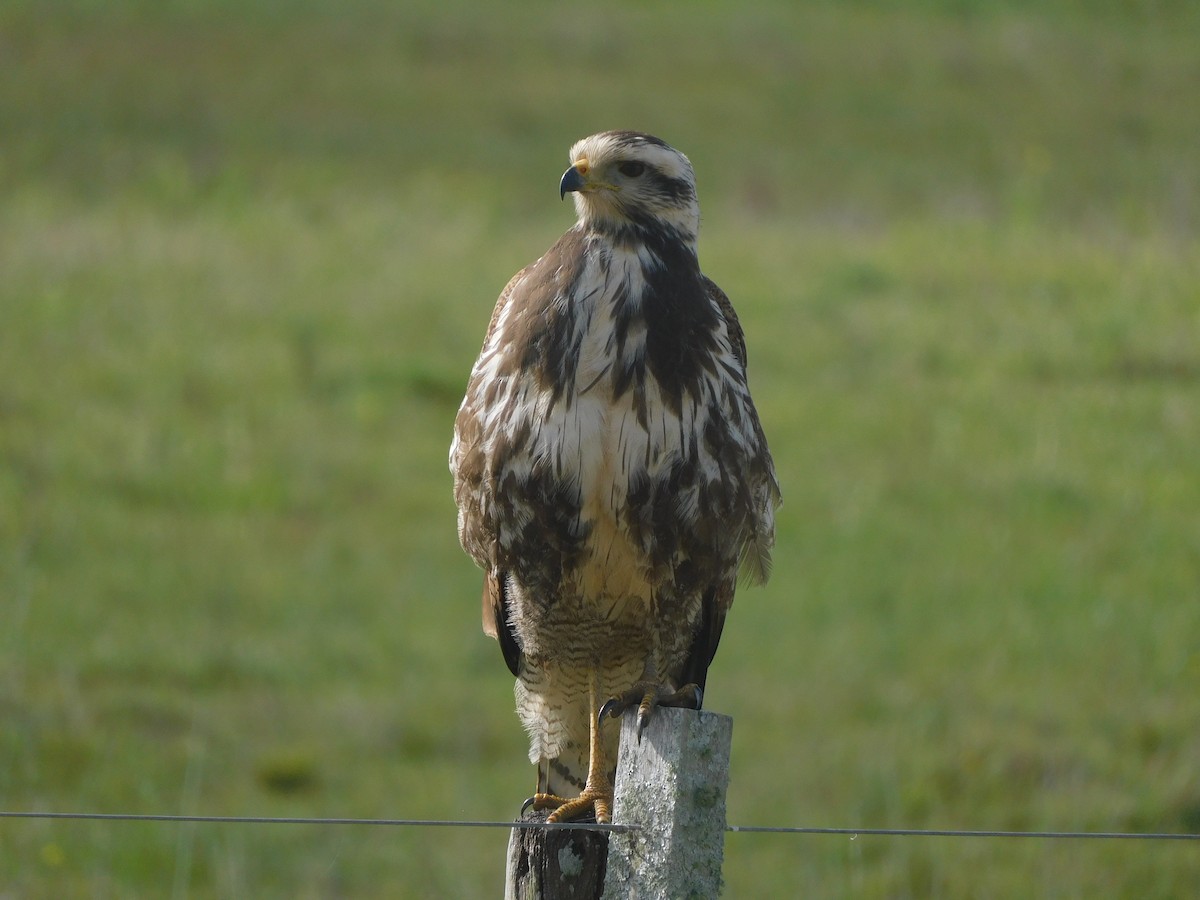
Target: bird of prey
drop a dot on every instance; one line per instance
(610, 470)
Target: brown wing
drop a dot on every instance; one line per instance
(484, 442)
(468, 463)
(713, 609)
(496, 622)
(737, 338)
(503, 300)
(718, 598)
(756, 555)
(468, 460)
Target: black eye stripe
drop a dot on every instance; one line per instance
(674, 188)
(677, 189)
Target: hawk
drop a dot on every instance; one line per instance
(610, 470)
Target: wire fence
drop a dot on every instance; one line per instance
(592, 826)
(303, 820)
(954, 833)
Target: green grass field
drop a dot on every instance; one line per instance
(247, 254)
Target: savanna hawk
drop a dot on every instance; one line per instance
(610, 470)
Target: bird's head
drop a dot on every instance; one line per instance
(625, 179)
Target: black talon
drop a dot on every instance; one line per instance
(611, 708)
(528, 803)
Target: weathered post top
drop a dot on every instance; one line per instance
(672, 786)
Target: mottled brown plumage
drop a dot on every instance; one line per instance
(610, 470)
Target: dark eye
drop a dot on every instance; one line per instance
(631, 169)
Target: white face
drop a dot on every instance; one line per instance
(631, 178)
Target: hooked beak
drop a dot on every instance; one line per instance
(572, 180)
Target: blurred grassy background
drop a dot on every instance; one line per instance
(248, 252)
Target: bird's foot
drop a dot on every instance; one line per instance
(646, 695)
(594, 799)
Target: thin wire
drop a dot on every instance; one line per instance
(298, 820)
(929, 832)
(592, 826)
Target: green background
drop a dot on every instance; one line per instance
(248, 251)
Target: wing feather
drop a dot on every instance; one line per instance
(755, 559)
(737, 337)
(468, 459)
(496, 621)
(713, 608)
